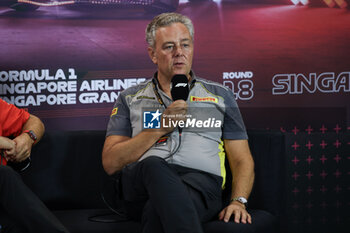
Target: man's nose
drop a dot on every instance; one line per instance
(178, 51)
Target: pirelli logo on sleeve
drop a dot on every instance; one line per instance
(204, 99)
(114, 111)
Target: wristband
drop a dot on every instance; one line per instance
(241, 200)
(31, 135)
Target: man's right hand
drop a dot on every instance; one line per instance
(8, 145)
(173, 113)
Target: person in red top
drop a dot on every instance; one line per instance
(21, 211)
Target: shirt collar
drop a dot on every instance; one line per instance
(192, 74)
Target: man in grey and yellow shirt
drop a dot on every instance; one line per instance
(172, 176)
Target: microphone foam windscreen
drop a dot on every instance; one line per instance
(179, 87)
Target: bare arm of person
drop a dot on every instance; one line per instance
(119, 151)
(24, 142)
(242, 168)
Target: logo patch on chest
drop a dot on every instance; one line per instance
(203, 99)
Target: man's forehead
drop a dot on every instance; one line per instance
(166, 35)
(176, 41)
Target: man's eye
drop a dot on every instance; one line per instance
(169, 47)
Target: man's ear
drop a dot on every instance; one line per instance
(151, 53)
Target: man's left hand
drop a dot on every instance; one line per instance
(238, 211)
(23, 148)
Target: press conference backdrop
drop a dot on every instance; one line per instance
(287, 65)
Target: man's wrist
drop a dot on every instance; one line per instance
(31, 134)
(237, 203)
(241, 200)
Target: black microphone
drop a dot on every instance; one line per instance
(179, 90)
(179, 87)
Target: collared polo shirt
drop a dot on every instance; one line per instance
(209, 103)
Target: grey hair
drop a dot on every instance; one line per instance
(164, 20)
